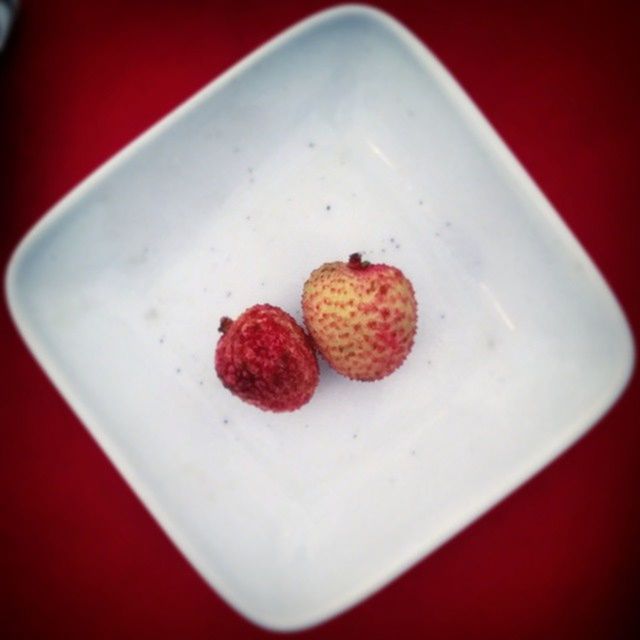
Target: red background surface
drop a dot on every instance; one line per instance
(81, 558)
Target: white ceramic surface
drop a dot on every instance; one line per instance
(343, 134)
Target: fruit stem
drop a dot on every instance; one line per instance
(357, 263)
(225, 323)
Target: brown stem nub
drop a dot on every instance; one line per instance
(225, 323)
(356, 262)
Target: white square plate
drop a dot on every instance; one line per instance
(344, 134)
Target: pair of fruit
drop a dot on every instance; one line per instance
(360, 316)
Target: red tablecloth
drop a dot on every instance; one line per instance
(79, 555)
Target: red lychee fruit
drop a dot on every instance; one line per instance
(361, 316)
(265, 358)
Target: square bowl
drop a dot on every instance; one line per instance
(343, 134)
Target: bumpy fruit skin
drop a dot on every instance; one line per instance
(265, 358)
(362, 317)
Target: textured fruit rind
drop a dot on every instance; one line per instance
(362, 317)
(265, 358)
